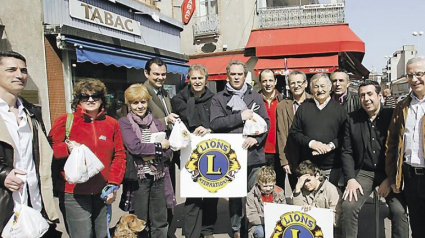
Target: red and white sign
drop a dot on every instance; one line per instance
(188, 8)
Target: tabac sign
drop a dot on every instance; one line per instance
(188, 8)
(98, 16)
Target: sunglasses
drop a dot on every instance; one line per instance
(85, 97)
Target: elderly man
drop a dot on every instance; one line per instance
(405, 161)
(363, 162)
(341, 94)
(230, 108)
(271, 98)
(288, 150)
(318, 128)
(25, 153)
(389, 100)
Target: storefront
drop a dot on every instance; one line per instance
(108, 41)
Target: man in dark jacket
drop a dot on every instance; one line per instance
(230, 108)
(363, 162)
(22, 128)
(341, 94)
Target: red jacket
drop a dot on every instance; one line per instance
(270, 146)
(102, 136)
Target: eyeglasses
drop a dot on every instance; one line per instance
(297, 83)
(418, 74)
(85, 97)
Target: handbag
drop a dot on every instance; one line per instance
(130, 170)
(25, 222)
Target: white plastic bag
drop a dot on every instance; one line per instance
(254, 126)
(25, 222)
(180, 136)
(81, 165)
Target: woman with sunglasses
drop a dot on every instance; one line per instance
(82, 208)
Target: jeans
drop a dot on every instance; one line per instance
(84, 215)
(150, 206)
(350, 210)
(236, 205)
(200, 215)
(259, 231)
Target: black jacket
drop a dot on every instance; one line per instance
(223, 120)
(351, 102)
(354, 145)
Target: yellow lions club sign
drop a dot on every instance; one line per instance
(213, 164)
(297, 225)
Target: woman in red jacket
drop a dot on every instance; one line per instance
(83, 210)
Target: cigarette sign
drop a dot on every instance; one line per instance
(188, 8)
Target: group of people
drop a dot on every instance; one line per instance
(328, 140)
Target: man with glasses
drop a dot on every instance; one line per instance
(341, 93)
(318, 128)
(285, 111)
(405, 161)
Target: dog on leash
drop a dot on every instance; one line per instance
(128, 226)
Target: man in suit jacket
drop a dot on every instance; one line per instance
(363, 162)
(159, 105)
(285, 111)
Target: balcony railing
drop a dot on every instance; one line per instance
(307, 15)
(206, 25)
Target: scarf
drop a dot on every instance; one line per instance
(146, 122)
(195, 110)
(236, 102)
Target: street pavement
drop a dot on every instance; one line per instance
(222, 225)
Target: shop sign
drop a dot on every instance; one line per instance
(318, 70)
(317, 6)
(98, 16)
(188, 8)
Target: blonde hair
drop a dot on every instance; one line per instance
(266, 174)
(136, 92)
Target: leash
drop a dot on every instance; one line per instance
(108, 189)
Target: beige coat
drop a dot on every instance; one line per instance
(255, 207)
(328, 196)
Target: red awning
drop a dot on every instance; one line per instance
(216, 65)
(308, 65)
(305, 40)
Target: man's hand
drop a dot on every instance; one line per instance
(319, 148)
(306, 208)
(12, 181)
(247, 114)
(165, 144)
(287, 169)
(249, 142)
(384, 188)
(171, 118)
(351, 190)
(301, 182)
(394, 188)
(111, 197)
(201, 131)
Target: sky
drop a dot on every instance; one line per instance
(385, 26)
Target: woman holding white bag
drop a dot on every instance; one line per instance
(138, 128)
(83, 210)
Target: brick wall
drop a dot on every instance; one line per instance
(55, 81)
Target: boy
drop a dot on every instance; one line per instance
(314, 190)
(265, 190)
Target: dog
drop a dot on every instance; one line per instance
(128, 226)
